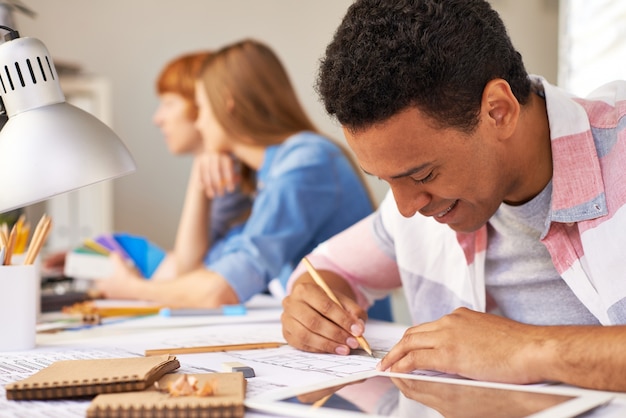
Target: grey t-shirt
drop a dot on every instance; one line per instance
(519, 273)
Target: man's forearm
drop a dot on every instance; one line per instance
(586, 356)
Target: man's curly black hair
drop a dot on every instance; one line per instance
(438, 55)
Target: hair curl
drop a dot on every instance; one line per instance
(437, 55)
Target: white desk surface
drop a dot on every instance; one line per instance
(274, 368)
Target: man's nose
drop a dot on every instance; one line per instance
(409, 199)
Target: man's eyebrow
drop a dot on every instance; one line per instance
(407, 173)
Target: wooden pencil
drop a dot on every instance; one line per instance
(21, 239)
(318, 403)
(212, 348)
(8, 255)
(321, 283)
(4, 233)
(39, 237)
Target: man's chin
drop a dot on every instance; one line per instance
(465, 229)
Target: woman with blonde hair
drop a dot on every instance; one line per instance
(258, 138)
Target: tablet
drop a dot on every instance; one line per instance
(380, 394)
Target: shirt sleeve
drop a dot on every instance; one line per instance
(285, 216)
(363, 256)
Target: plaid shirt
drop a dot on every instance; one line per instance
(585, 233)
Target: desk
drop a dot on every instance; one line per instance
(275, 368)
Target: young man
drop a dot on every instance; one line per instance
(508, 230)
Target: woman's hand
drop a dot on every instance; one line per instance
(216, 173)
(123, 284)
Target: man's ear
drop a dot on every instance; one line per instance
(500, 107)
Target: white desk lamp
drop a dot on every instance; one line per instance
(48, 146)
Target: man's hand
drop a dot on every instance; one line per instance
(313, 322)
(471, 344)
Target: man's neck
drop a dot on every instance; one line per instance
(534, 150)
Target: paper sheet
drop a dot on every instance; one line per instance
(274, 368)
(114, 341)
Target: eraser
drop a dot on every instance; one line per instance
(235, 366)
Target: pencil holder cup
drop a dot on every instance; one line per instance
(18, 259)
(19, 293)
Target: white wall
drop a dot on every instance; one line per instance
(128, 41)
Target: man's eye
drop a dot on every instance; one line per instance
(423, 180)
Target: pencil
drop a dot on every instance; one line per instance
(91, 308)
(4, 233)
(211, 348)
(318, 403)
(21, 238)
(109, 311)
(321, 283)
(39, 237)
(10, 246)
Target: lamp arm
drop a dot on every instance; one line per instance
(13, 34)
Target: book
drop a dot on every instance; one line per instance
(91, 261)
(82, 263)
(226, 401)
(90, 377)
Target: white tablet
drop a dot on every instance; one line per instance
(380, 394)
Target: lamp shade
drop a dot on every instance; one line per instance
(48, 146)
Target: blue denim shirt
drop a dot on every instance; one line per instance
(307, 191)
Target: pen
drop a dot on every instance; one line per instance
(211, 348)
(321, 283)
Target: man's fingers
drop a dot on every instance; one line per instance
(313, 322)
(351, 324)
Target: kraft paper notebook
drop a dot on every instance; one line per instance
(226, 400)
(89, 377)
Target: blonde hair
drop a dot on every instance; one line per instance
(179, 76)
(251, 94)
(252, 97)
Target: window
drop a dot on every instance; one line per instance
(592, 44)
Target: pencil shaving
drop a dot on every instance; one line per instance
(187, 385)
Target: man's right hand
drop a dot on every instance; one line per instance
(313, 322)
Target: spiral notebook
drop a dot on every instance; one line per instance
(226, 401)
(90, 377)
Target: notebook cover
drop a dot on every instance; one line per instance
(146, 255)
(89, 377)
(109, 242)
(226, 402)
